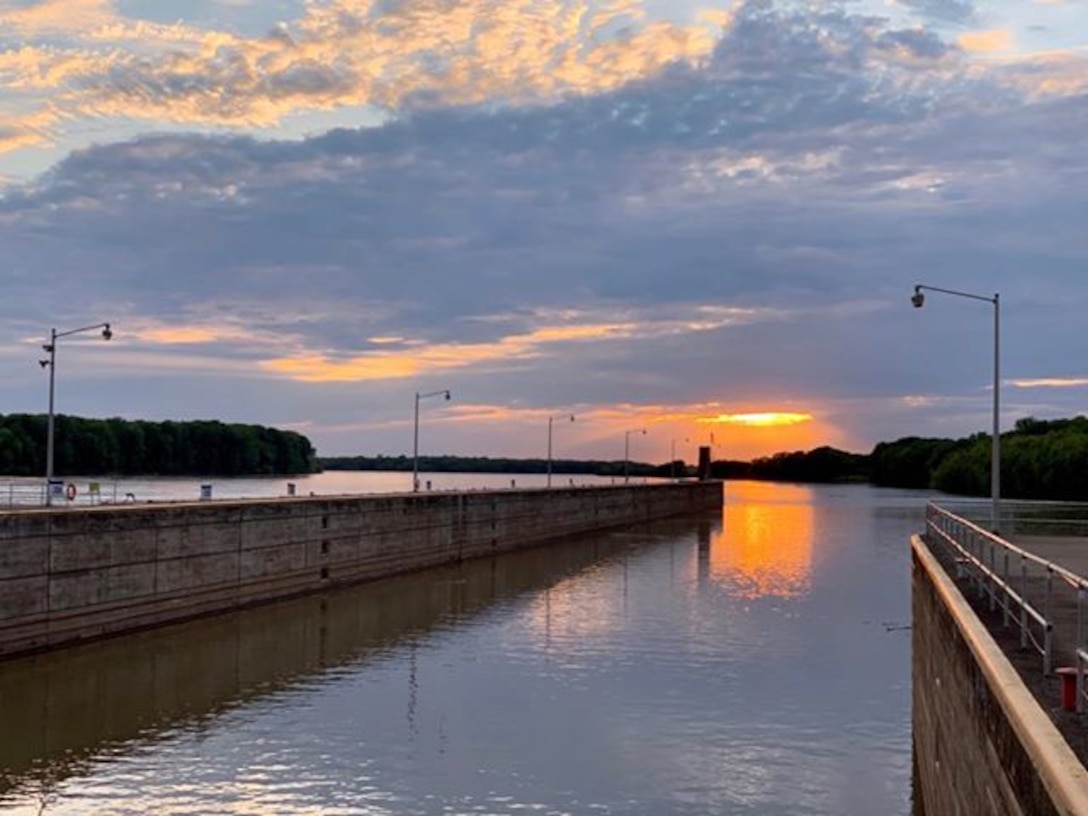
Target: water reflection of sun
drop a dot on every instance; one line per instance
(573, 612)
(765, 549)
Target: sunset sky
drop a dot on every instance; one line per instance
(702, 220)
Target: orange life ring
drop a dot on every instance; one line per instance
(70, 492)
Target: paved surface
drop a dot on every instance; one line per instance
(1071, 553)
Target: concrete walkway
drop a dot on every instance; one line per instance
(1071, 553)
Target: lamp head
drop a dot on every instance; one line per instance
(918, 299)
(43, 363)
(106, 333)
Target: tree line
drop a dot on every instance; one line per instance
(1040, 459)
(137, 448)
(487, 464)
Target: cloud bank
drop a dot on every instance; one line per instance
(566, 207)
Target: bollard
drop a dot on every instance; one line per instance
(1068, 677)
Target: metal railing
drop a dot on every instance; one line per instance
(1024, 516)
(16, 495)
(1003, 572)
(22, 494)
(1029, 591)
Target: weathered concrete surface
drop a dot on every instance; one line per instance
(982, 743)
(67, 575)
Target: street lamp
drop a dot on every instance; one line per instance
(415, 435)
(51, 364)
(550, 419)
(918, 300)
(627, 450)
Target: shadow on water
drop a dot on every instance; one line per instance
(62, 710)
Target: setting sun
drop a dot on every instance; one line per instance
(759, 420)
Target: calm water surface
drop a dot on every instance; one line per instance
(749, 662)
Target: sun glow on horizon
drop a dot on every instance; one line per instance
(766, 419)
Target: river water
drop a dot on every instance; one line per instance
(755, 661)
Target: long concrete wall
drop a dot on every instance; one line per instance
(982, 744)
(69, 575)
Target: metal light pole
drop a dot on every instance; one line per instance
(918, 299)
(550, 419)
(415, 435)
(51, 364)
(627, 450)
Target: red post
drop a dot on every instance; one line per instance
(1068, 677)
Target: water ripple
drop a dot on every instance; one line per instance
(721, 665)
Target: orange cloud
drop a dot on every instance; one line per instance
(55, 16)
(340, 53)
(1053, 73)
(1051, 382)
(385, 341)
(179, 336)
(765, 419)
(314, 368)
(986, 41)
(201, 333)
(381, 364)
(26, 129)
(392, 365)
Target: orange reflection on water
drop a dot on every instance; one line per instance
(573, 612)
(765, 547)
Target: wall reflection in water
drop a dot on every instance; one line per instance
(60, 710)
(765, 546)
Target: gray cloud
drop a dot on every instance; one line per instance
(959, 12)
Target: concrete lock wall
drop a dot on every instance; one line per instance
(982, 743)
(68, 575)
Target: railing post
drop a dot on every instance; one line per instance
(1005, 578)
(1049, 591)
(1023, 601)
(1080, 682)
(982, 564)
(1080, 614)
(1046, 647)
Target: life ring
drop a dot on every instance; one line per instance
(70, 492)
